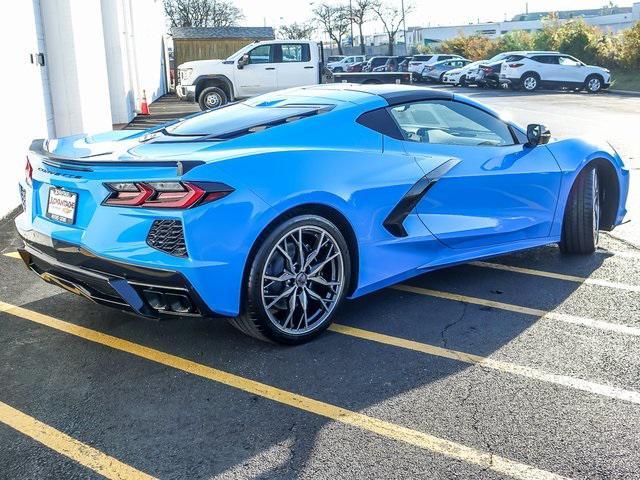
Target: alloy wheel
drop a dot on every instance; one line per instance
(302, 280)
(594, 84)
(530, 83)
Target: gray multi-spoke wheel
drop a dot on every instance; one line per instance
(581, 225)
(302, 280)
(297, 279)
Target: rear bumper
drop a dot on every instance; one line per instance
(148, 292)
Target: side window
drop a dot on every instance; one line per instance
(261, 54)
(548, 59)
(568, 61)
(448, 122)
(295, 52)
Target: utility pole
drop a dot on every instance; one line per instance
(351, 22)
(404, 29)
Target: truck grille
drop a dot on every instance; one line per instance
(167, 236)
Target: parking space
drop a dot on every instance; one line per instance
(521, 366)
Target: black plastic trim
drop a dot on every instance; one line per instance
(394, 222)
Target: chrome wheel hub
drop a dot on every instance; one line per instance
(594, 84)
(302, 280)
(530, 83)
(212, 100)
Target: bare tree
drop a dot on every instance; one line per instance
(361, 14)
(391, 18)
(334, 20)
(202, 13)
(297, 31)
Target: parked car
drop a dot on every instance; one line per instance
(403, 66)
(488, 74)
(343, 64)
(335, 58)
(391, 65)
(554, 70)
(355, 67)
(458, 76)
(375, 62)
(435, 72)
(255, 69)
(418, 62)
(476, 74)
(195, 218)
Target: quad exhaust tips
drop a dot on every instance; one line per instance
(168, 302)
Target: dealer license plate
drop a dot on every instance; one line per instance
(62, 205)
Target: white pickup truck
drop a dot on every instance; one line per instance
(258, 68)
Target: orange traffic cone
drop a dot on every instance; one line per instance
(144, 107)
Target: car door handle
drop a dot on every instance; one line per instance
(309, 67)
(269, 68)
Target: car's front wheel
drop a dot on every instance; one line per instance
(593, 83)
(580, 228)
(463, 81)
(296, 280)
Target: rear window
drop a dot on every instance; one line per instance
(422, 58)
(238, 119)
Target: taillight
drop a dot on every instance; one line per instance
(28, 173)
(169, 194)
(516, 65)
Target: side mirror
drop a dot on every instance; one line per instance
(537, 135)
(243, 60)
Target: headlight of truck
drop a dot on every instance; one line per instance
(185, 73)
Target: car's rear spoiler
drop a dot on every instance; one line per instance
(85, 163)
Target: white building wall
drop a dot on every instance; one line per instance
(77, 66)
(24, 113)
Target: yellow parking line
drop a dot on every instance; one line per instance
(388, 430)
(562, 317)
(68, 446)
(12, 254)
(501, 366)
(558, 276)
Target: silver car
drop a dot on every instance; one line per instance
(435, 72)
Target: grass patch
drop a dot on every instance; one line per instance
(626, 81)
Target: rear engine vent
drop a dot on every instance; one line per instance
(167, 236)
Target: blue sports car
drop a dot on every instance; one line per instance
(273, 210)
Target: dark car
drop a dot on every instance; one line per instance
(356, 67)
(375, 62)
(489, 73)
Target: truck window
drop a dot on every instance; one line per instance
(261, 54)
(294, 52)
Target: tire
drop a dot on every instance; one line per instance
(582, 215)
(463, 81)
(269, 312)
(530, 82)
(593, 83)
(441, 79)
(212, 97)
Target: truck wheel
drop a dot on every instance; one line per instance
(212, 97)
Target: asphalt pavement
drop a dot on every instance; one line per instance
(522, 366)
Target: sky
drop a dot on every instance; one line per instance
(425, 13)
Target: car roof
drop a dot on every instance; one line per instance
(392, 93)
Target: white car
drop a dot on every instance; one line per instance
(342, 64)
(458, 76)
(474, 74)
(554, 70)
(418, 62)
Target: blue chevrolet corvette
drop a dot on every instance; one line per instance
(273, 210)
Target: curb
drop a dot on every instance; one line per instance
(628, 93)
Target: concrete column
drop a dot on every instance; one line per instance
(77, 65)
